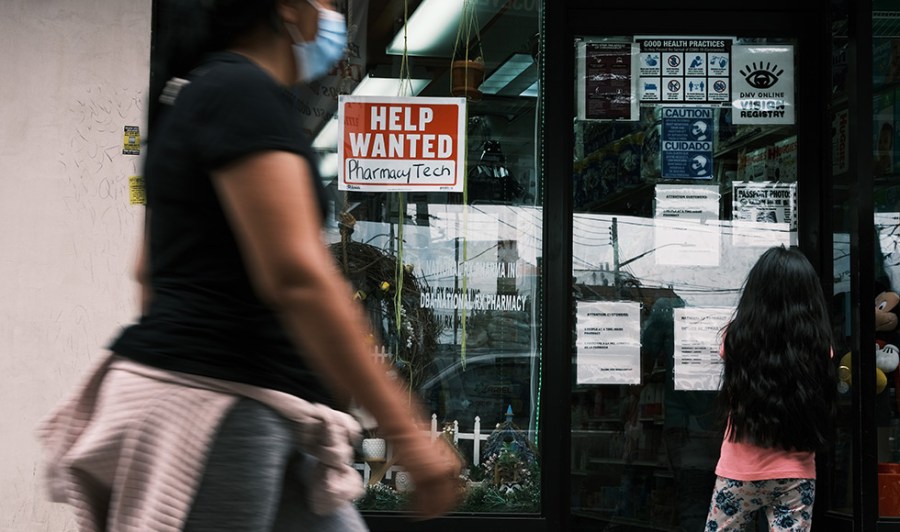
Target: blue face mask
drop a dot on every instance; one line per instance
(316, 58)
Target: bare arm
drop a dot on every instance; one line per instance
(274, 211)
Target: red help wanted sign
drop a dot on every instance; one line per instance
(401, 144)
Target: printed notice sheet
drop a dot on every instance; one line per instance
(608, 343)
(607, 74)
(764, 214)
(687, 142)
(685, 225)
(698, 365)
(685, 70)
(763, 79)
(697, 203)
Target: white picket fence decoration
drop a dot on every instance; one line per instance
(476, 437)
(382, 354)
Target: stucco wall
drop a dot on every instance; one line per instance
(73, 74)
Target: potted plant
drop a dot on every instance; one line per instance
(374, 449)
(467, 68)
(466, 76)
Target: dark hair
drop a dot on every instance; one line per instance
(186, 30)
(779, 385)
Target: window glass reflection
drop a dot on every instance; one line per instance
(449, 279)
(676, 194)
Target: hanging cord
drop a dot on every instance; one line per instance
(347, 82)
(346, 220)
(468, 25)
(405, 88)
(399, 270)
(465, 250)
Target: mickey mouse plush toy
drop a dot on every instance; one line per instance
(886, 312)
(887, 337)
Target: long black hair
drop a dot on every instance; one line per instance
(779, 385)
(186, 30)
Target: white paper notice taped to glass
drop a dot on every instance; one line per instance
(608, 342)
(698, 365)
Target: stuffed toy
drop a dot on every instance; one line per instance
(887, 356)
(887, 337)
(844, 372)
(887, 315)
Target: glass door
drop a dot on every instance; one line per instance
(685, 171)
(885, 85)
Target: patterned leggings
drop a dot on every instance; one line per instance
(787, 503)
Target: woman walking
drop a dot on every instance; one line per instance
(222, 408)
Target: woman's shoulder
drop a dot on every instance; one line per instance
(229, 76)
(229, 91)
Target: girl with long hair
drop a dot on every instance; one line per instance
(779, 392)
(223, 407)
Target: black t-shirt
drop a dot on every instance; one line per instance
(205, 317)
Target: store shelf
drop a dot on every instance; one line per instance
(602, 514)
(594, 432)
(759, 136)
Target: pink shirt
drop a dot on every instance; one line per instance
(744, 461)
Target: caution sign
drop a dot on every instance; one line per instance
(401, 144)
(687, 142)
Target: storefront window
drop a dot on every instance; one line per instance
(445, 257)
(685, 172)
(886, 202)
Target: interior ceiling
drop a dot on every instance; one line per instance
(510, 27)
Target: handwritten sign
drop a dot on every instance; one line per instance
(401, 144)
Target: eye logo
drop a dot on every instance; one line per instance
(760, 77)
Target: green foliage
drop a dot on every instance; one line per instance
(508, 481)
(481, 497)
(487, 498)
(381, 497)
